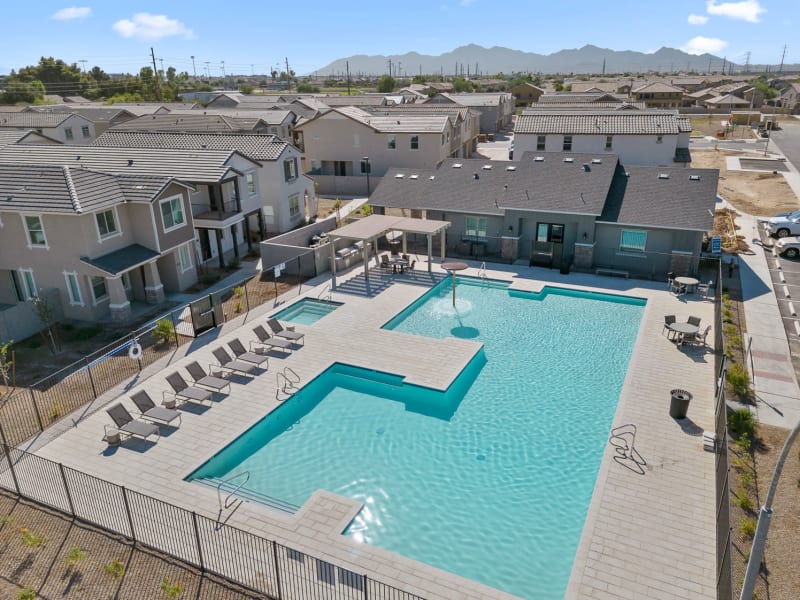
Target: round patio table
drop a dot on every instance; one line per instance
(684, 329)
(689, 282)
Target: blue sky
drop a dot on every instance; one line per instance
(117, 35)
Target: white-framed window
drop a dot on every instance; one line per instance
(609, 142)
(251, 183)
(274, 130)
(540, 142)
(391, 141)
(85, 131)
(290, 169)
(294, 205)
(185, 258)
(99, 288)
(415, 142)
(73, 289)
(68, 133)
(28, 283)
(632, 241)
(172, 213)
(475, 227)
(567, 147)
(107, 224)
(356, 140)
(35, 229)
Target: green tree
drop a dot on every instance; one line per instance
(462, 85)
(386, 84)
(307, 88)
(419, 79)
(246, 89)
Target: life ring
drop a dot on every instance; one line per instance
(135, 351)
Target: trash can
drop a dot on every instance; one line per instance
(679, 403)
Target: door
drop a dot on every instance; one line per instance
(205, 245)
(547, 248)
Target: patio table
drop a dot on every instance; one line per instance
(684, 329)
(688, 282)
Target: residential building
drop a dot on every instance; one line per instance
(193, 120)
(219, 209)
(659, 95)
(562, 210)
(638, 137)
(726, 103)
(335, 144)
(20, 136)
(68, 128)
(526, 93)
(286, 195)
(496, 109)
(595, 96)
(790, 97)
(103, 117)
(102, 241)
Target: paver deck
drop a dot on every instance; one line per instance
(650, 535)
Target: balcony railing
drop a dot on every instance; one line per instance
(219, 212)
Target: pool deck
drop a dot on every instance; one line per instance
(646, 536)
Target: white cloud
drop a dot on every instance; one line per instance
(73, 12)
(701, 45)
(746, 10)
(697, 19)
(146, 26)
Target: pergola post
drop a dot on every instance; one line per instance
(444, 235)
(332, 244)
(405, 240)
(366, 259)
(430, 253)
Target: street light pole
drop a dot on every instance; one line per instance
(367, 168)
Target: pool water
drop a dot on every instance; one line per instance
(307, 311)
(490, 480)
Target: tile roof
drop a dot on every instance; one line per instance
(400, 123)
(275, 115)
(361, 100)
(192, 121)
(618, 106)
(122, 260)
(550, 185)
(195, 166)
(32, 120)
(570, 97)
(658, 87)
(728, 99)
(262, 147)
(602, 123)
(487, 99)
(677, 202)
(93, 113)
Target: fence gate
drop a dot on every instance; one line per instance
(206, 314)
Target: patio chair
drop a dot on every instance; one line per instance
(693, 321)
(668, 321)
(670, 280)
(698, 339)
(676, 288)
(385, 266)
(226, 361)
(704, 289)
(268, 342)
(150, 412)
(243, 354)
(280, 331)
(128, 426)
(185, 392)
(205, 380)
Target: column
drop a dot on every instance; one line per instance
(430, 252)
(332, 246)
(218, 234)
(153, 288)
(234, 235)
(119, 305)
(444, 239)
(405, 249)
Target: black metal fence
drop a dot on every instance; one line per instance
(259, 564)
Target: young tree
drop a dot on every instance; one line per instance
(386, 84)
(47, 316)
(7, 366)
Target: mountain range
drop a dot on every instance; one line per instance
(472, 59)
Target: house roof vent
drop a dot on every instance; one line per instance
(511, 168)
(130, 162)
(694, 177)
(586, 167)
(663, 175)
(475, 176)
(597, 161)
(399, 176)
(456, 165)
(432, 177)
(538, 159)
(413, 176)
(569, 159)
(487, 167)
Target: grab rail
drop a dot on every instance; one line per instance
(289, 378)
(327, 293)
(231, 501)
(295, 378)
(482, 270)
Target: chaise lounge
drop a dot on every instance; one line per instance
(205, 380)
(185, 392)
(243, 354)
(126, 425)
(267, 341)
(280, 331)
(155, 414)
(226, 361)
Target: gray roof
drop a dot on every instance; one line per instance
(602, 123)
(360, 100)
(658, 87)
(93, 113)
(551, 185)
(33, 120)
(261, 147)
(122, 260)
(571, 97)
(195, 166)
(487, 99)
(13, 136)
(677, 202)
(192, 120)
(728, 99)
(583, 106)
(276, 114)
(400, 123)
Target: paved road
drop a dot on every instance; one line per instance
(788, 139)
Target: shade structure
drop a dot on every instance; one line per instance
(453, 267)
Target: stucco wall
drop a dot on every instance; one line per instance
(632, 149)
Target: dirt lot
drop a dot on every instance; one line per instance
(760, 194)
(711, 127)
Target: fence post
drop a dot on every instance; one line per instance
(197, 539)
(66, 489)
(277, 569)
(246, 297)
(36, 410)
(128, 512)
(11, 466)
(364, 582)
(175, 326)
(91, 379)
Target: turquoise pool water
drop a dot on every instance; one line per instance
(490, 480)
(306, 311)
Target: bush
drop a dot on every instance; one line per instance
(171, 590)
(115, 568)
(164, 331)
(748, 527)
(209, 279)
(234, 263)
(85, 333)
(743, 500)
(739, 379)
(75, 556)
(742, 422)
(26, 593)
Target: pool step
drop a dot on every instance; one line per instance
(249, 495)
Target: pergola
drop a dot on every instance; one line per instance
(369, 229)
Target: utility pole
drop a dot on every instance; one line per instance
(747, 62)
(83, 63)
(252, 72)
(155, 72)
(604, 66)
(724, 61)
(194, 70)
(783, 55)
(208, 70)
(161, 60)
(347, 64)
(709, 65)
(224, 77)
(390, 67)
(288, 75)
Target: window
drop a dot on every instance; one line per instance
(99, 290)
(185, 257)
(172, 213)
(366, 167)
(550, 232)
(290, 169)
(85, 131)
(106, 225)
(73, 289)
(475, 227)
(442, 139)
(68, 133)
(609, 141)
(36, 237)
(632, 241)
(251, 183)
(567, 143)
(274, 130)
(340, 168)
(415, 142)
(659, 139)
(294, 205)
(29, 283)
(356, 141)
(391, 143)
(540, 142)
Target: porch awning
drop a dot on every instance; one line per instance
(122, 260)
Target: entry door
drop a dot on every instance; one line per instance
(205, 245)
(547, 248)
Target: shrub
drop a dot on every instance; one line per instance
(747, 479)
(85, 333)
(26, 593)
(30, 539)
(75, 556)
(238, 307)
(56, 410)
(254, 252)
(164, 331)
(234, 263)
(742, 422)
(743, 444)
(748, 527)
(115, 568)
(739, 379)
(209, 279)
(238, 291)
(743, 500)
(171, 590)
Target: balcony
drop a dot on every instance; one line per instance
(220, 216)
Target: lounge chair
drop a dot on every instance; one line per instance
(185, 392)
(284, 333)
(267, 341)
(226, 361)
(205, 380)
(242, 353)
(669, 320)
(127, 425)
(694, 321)
(150, 412)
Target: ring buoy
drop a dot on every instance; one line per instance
(135, 351)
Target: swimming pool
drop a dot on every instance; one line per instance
(307, 311)
(490, 480)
